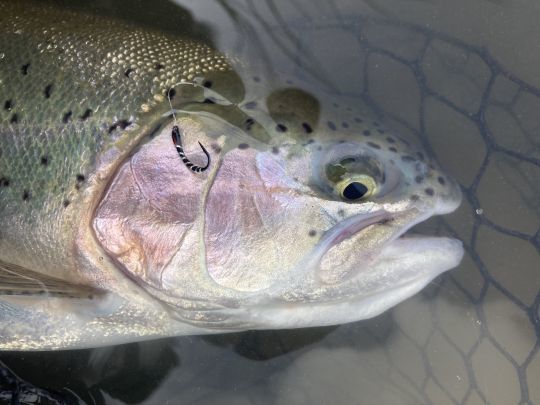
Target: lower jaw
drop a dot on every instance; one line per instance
(402, 269)
(344, 258)
(404, 258)
(408, 258)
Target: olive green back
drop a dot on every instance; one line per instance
(72, 88)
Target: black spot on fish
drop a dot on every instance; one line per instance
(344, 125)
(414, 197)
(66, 203)
(122, 124)
(4, 182)
(366, 132)
(307, 128)
(8, 105)
(171, 93)
(331, 125)
(215, 147)
(407, 158)
(429, 191)
(128, 72)
(281, 128)
(374, 145)
(341, 212)
(251, 105)
(67, 117)
(44, 160)
(86, 114)
(275, 150)
(14, 119)
(256, 79)
(404, 141)
(441, 180)
(24, 68)
(48, 91)
(243, 146)
(392, 149)
(208, 84)
(26, 195)
(419, 179)
(159, 66)
(358, 120)
(390, 140)
(249, 123)
(80, 177)
(312, 232)
(208, 101)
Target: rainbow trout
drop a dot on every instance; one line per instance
(108, 234)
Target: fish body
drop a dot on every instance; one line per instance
(107, 237)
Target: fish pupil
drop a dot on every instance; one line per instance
(354, 191)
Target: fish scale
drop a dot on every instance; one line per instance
(72, 83)
(107, 237)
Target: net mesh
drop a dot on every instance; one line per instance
(472, 335)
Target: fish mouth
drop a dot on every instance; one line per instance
(351, 281)
(352, 246)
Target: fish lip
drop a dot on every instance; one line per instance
(401, 222)
(344, 230)
(351, 227)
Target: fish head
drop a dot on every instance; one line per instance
(299, 231)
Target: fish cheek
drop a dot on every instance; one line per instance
(148, 211)
(251, 225)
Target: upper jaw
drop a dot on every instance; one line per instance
(351, 246)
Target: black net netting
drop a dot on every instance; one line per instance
(471, 337)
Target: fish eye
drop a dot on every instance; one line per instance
(356, 188)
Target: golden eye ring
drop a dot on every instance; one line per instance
(356, 188)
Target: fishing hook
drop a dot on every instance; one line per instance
(178, 143)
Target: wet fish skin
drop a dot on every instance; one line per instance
(73, 87)
(250, 244)
(77, 92)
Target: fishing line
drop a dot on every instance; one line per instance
(177, 139)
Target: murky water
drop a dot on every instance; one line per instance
(459, 77)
